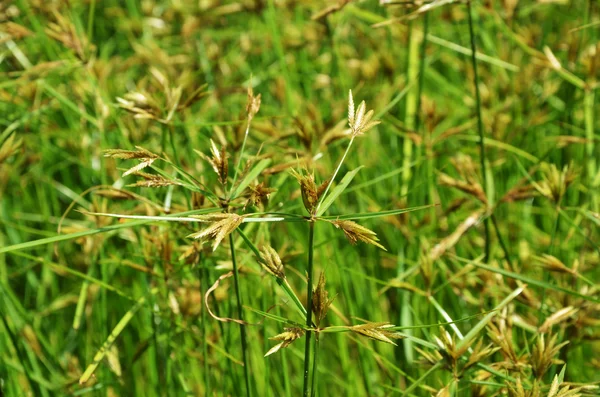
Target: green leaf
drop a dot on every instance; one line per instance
(484, 321)
(250, 176)
(327, 201)
(530, 280)
(112, 337)
(367, 215)
(71, 236)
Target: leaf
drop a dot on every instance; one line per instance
(71, 236)
(367, 215)
(104, 350)
(531, 281)
(252, 175)
(485, 320)
(327, 201)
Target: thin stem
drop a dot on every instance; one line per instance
(309, 271)
(239, 162)
(203, 276)
(479, 127)
(238, 296)
(335, 173)
(588, 109)
(314, 369)
(547, 274)
(177, 162)
(501, 240)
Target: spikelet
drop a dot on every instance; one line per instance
(286, 338)
(221, 226)
(360, 121)
(218, 161)
(145, 157)
(377, 331)
(310, 192)
(153, 180)
(320, 300)
(355, 232)
(253, 104)
(271, 262)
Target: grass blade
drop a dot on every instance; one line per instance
(327, 201)
(89, 371)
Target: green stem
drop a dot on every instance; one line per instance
(479, 127)
(177, 162)
(314, 369)
(588, 109)
(203, 276)
(236, 281)
(547, 274)
(335, 173)
(239, 162)
(309, 307)
(410, 109)
(501, 241)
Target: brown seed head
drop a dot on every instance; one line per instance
(286, 338)
(355, 232)
(271, 262)
(221, 226)
(321, 301)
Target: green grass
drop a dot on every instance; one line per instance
(481, 183)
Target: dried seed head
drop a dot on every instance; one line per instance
(65, 32)
(310, 192)
(451, 240)
(219, 161)
(253, 104)
(141, 105)
(9, 147)
(153, 180)
(430, 358)
(259, 193)
(355, 232)
(472, 188)
(554, 183)
(360, 121)
(377, 331)
(543, 353)
(479, 353)
(221, 226)
(271, 262)
(321, 301)
(557, 317)
(145, 157)
(286, 338)
(553, 264)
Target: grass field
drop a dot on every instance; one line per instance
(195, 200)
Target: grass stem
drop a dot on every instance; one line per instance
(479, 126)
(238, 296)
(309, 271)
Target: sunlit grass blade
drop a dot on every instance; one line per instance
(331, 197)
(250, 176)
(528, 280)
(89, 371)
(369, 215)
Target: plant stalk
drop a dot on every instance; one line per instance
(479, 127)
(238, 297)
(309, 271)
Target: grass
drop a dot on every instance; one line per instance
(195, 200)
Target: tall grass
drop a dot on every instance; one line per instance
(191, 204)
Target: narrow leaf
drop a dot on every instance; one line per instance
(337, 191)
(252, 175)
(111, 338)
